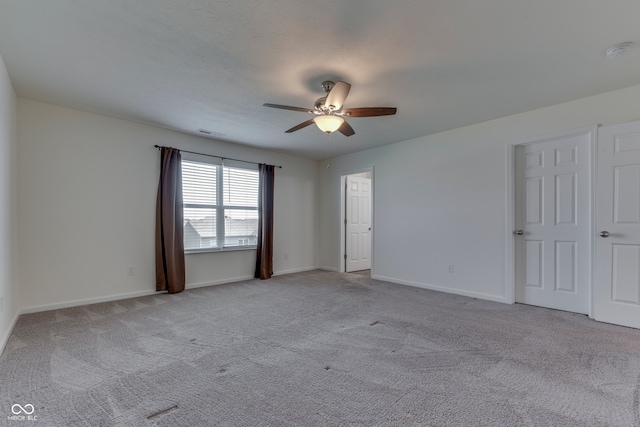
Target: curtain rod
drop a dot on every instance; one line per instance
(217, 157)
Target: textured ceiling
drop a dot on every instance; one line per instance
(194, 64)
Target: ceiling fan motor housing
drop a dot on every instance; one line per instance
(327, 85)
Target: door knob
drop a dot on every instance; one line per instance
(604, 234)
(518, 232)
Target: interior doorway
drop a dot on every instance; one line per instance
(357, 221)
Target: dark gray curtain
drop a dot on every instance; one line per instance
(264, 258)
(170, 271)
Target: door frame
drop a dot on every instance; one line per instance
(343, 206)
(510, 214)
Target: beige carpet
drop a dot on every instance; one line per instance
(318, 349)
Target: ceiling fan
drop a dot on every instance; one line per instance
(328, 111)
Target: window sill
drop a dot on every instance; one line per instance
(213, 250)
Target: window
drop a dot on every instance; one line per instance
(220, 206)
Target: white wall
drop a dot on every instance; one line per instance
(87, 188)
(8, 207)
(442, 199)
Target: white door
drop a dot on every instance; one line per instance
(358, 224)
(553, 244)
(617, 263)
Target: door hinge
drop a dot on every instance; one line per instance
(345, 256)
(345, 221)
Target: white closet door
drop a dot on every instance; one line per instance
(617, 261)
(552, 247)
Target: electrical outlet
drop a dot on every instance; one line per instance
(131, 271)
(286, 255)
(450, 268)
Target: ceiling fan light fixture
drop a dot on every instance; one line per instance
(328, 124)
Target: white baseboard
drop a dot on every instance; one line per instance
(108, 298)
(488, 297)
(217, 282)
(322, 267)
(87, 301)
(5, 338)
(295, 270)
(243, 278)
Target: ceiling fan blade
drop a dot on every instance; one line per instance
(346, 129)
(369, 111)
(288, 107)
(337, 95)
(300, 126)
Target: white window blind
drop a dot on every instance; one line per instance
(220, 206)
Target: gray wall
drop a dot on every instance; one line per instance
(9, 302)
